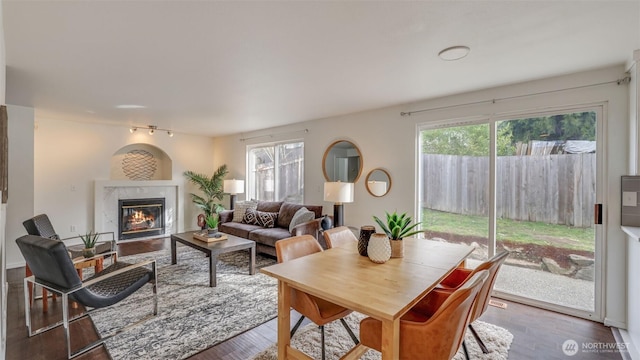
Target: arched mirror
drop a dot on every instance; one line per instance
(378, 182)
(342, 161)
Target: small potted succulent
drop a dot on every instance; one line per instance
(396, 228)
(212, 224)
(89, 239)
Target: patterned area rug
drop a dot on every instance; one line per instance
(191, 315)
(337, 342)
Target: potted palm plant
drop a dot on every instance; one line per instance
(211, 187)
(89, 240)
(396, 228)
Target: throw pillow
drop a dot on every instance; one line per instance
(301, 216)
(267, 219)
(260, 218)
(241, 207)
(250, 217)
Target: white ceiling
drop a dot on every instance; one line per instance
(213, 67)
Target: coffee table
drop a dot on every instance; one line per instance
(213, 249)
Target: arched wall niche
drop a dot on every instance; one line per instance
(140, 162)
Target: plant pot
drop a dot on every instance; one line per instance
(89, 252)
(379, 249)
(212, 232)
(363, 240)
(397, 248)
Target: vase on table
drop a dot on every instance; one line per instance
(363, 240)
(379, 249)
(397, 248)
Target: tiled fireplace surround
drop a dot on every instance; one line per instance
(108, 192)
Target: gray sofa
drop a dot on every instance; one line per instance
(266, 238)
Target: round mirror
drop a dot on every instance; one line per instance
(342, 161)
(378, 182)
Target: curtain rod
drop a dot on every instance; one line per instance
(624, 80)
(272, 135)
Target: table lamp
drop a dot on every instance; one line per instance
(338, 192)
(233, 187)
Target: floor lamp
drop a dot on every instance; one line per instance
(339, 193)
(233, 187)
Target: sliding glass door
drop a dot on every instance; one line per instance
(534, 196)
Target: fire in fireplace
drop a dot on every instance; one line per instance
(140, 218)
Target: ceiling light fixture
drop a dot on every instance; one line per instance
(454, 53)
(152, 129)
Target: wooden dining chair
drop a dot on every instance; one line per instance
(434, 327)
(339, 236)
(320, 311)
(460, 275)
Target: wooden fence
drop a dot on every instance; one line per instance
(555, 189)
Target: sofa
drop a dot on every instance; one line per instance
(278, 215)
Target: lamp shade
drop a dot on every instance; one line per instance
(377, 188)
(338, 192)
(233, 186)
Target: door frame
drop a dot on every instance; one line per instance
(600, 108)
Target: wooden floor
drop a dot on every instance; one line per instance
(538, 334)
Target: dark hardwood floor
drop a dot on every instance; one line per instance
(538, 334)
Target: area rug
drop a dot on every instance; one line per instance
(337, 342)
(192, 316)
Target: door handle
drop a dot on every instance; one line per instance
(597, 212)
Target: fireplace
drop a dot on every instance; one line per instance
(140, 218)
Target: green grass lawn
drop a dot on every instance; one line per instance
(510, 230)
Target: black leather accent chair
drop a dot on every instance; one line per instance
(41, 225)
(54, 270)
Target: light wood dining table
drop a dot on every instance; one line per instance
(383, 291)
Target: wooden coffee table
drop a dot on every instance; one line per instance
(213, 249)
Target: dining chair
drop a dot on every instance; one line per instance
(339, 236)
(434, 326)
(319, 311)
(54, 270)
(460, 275)
(40, 225)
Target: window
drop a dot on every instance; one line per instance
(276, 172)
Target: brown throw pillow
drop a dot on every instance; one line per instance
(260, 218)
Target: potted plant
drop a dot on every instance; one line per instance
(212, 224)
(89, 240)
(211, 188)
(396, 228)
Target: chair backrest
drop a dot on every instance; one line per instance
(49, 261)
(41, 226)
(492, 266)
(295, 247)
(444, 331)
(338, 237)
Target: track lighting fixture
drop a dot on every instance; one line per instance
(152, 129)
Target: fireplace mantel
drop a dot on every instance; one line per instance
(108, 192)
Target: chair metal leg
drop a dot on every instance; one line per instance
(322, 340)
(353, 336)
(483, 347)
(155, 288)
(464, 349)
(296, 326)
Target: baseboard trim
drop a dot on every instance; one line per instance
(615, 323)
(16, 264)
(622, 336)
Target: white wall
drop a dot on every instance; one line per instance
(632, 334)
(21, 165)
(68, 156)
(388, 140)
(3, 282)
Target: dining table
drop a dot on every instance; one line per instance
(383, 291)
